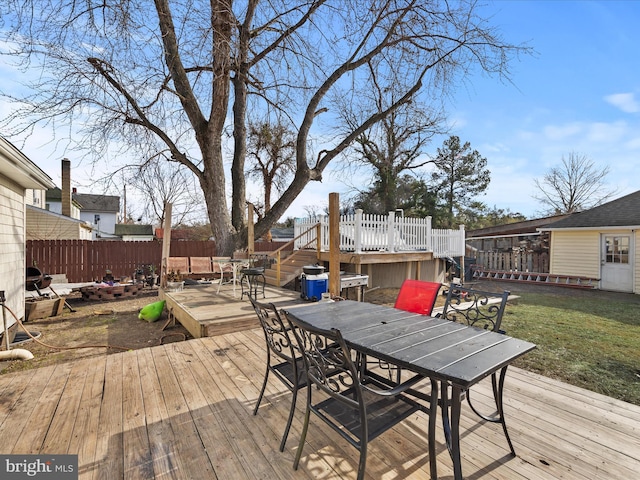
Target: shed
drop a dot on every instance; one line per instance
(134, 232)
(17, 174)
(601, 242)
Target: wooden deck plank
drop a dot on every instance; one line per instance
(166, 462)
(109, 458)
(138, 462)
(184, 411)
(256, 455)
(85, 432)
(41, 405)
(213, 415)
(194, 461)
(17, 402)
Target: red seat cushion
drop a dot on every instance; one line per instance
(417, 296)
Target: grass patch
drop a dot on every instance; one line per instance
(583, 341)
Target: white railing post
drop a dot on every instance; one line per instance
(429, 235)
(390, 231)
(463, 242)
(358, 231)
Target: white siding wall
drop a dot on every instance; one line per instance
(41, 226)
(12, 245)
(575, 253)
(107, 221)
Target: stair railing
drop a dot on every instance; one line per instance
(277, 254)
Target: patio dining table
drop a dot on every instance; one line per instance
(452, 355)
(234, 265)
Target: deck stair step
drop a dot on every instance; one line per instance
(573, 281)
(291, 267)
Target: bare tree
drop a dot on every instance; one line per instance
(271, 152)
(392, 146)
(573, 186)
(160, 182)
(177, 75)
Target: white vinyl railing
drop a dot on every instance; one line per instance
(361, 232)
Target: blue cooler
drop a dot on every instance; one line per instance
(313, 286)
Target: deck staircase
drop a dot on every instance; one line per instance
(290, 267)
(573, 281)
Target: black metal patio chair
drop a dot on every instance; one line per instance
(282, 360)
(357, 407)
(253, 275)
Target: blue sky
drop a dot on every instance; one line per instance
(580, 92)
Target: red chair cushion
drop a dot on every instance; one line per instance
(417, 296)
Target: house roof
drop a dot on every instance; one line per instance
(98, 203)
(55, 195)
(17, 167)
(133, 229)
(623, 212)
(517, 228)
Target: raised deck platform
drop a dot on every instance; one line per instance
(205, 313)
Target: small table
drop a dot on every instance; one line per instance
(454, 356)
(235, 264)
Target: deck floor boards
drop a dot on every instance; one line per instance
(184, 411)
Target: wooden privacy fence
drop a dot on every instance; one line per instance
(88, 261)
(521, 261)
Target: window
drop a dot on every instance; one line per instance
(617, 249)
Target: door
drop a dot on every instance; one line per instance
(617, 263)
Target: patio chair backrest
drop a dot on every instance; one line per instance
(277, 333)
(417, 296)
(475, 307)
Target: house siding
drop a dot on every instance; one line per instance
(575, 253)
(43, 226)
(12, 241)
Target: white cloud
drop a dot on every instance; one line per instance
(560, 132)
(624, 101)
(606, 132)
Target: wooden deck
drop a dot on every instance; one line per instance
(205, 312)
(184, 411)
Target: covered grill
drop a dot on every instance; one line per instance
(35, 280)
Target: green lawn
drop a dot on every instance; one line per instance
(591, 342)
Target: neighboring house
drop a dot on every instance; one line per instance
(17, 175)
(102, 211)
(53, 203)
(133, 232)
(283, 234)
(602, 242)
(512, 236)
(47, 225)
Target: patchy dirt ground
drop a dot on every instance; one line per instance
(96, 323)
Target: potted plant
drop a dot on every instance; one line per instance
(175, 283)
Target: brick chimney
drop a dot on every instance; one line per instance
(66, 187)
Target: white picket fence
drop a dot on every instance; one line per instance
(361, 232)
